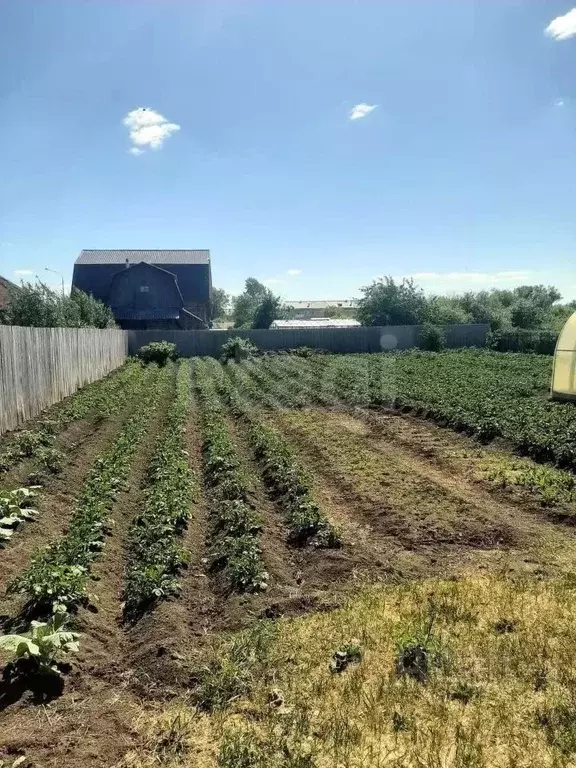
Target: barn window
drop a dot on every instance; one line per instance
(144, 288)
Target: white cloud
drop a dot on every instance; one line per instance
(23, 272)
(272, 281)
(559, 103)
(293, 272)
(361, 110)
(562, 27)
(148, 129)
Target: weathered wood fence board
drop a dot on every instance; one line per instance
(340, 340)
(40, 366)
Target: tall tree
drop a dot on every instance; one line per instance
(269, 309)
(386, 302)
(220, 303)
(245, 305)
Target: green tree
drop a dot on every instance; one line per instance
(386, 302)
(35, 304)
(219, 304)
(445, 310)
(245, 305)
(525, 313)
(269, 309)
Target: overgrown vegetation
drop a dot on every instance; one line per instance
(435, 684)
(237, 349)
(487, 394)
(35, 304)
(159, 352)
(389, 302)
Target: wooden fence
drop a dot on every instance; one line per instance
(40, 366)
(339, 340)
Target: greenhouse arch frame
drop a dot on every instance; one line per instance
(564, 370)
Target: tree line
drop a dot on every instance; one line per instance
(391, 302)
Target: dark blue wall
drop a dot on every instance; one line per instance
(193, 280)
(144, 287)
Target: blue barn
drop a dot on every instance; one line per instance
(149, 289)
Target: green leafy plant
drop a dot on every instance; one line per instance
(237, 349)
(51, 459)
(58, 575)
(159, 352)
(236, 525)
(349, 653)
(431, 338)
(154, 556)
(13, 510)
(419, 652)
(40, 646)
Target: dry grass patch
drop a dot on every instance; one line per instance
(479, 672)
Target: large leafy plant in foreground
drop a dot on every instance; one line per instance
(41, 645)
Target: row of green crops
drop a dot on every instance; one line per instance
(57, 576)
(102, 399)
(286, 481)
(155, 556)
(235, 523)
(488, 394)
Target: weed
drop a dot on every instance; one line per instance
(559, 724)
(418, 652)
(240, 750)
(349, 653)
(464, 692)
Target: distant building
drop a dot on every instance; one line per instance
(149, 289)
(307, 309)
(316, 322)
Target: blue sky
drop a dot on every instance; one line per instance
(462, 174)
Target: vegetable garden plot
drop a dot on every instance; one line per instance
(488, 394)
(269, 472)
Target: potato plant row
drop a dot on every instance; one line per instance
(102, 398)
(57, 576)
(155, 556)
(488, 394)
(235, 522)
(286, 481)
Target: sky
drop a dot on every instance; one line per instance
(313, 144)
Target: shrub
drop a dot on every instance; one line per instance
(521, 340)
(431, 338)
(237, 349)
(159, 352)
